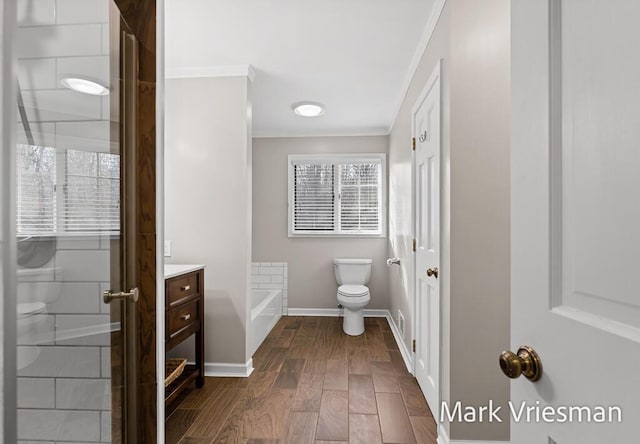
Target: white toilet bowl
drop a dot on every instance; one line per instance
(353, 299)
(353, 295)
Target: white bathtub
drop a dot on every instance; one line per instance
(266, 309)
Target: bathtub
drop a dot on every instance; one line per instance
(266, 309)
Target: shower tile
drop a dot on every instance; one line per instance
(42, 12)
(74, 297)
(86, 136)
(105, 362)
(61, 105)
(77, 242)
(60, 425)
(36, 393)
(84, 266)
(105, 427)
(37, 74)
(81, 330)
(82, 11)
(83, 394)
(58, 41)
(70, 362)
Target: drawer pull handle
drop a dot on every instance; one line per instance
(186, 317)
(186, 288)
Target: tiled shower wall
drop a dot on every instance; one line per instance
(271, 275)
(65, 393)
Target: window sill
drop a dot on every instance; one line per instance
(337, 235)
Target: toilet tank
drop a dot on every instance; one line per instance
(352, 271)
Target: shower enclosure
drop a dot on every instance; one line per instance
(68, 225)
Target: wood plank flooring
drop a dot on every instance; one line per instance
(311, 384)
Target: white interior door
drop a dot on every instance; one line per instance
(426, 130)
(576, 217)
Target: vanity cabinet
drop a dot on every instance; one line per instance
(184, 317)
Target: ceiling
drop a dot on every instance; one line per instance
(353, 56)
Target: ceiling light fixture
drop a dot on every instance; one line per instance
(308, 109)
(84, 86)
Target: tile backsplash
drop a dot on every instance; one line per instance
(271, 276)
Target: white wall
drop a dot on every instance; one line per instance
(312, 282)
(208, 202)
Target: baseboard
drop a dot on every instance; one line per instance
(334, 312)
(223, 369)
(404, 351)
(443, 438)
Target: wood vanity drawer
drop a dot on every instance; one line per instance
(183, 320)
(181, 288)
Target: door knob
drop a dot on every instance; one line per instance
(526, 362)
(432, 272)
(132, 295)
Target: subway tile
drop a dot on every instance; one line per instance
(105, 426)
(84, 266)
(36, 330)
(271, 270)
(37, 74)
(85, 136)
(36, 393)
(83, 394)
(255, 269)
(82, 11)
(61, 105)
(58, 41)
(105, 40)
(270, 286)
(70, 362)
(45, 273)
(36, 13)
(60, 425)
(260, 279)
(105, 362)
(277, 279)
(75, 297)
(89, 242)
(78, 330)
(44, 133)
(104, 308)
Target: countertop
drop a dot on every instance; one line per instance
(173, 270)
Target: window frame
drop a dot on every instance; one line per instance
(337, 159)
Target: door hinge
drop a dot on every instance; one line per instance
(414, 245)
(413, 144)
(414, 345)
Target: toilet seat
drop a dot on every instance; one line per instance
(350, 290)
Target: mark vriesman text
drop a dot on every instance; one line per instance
(535, 412)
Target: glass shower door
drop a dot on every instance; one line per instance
(74, 224)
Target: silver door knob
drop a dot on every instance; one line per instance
(132, 295)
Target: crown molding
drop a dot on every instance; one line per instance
(351, 132)
(415, 62)
(211, 71)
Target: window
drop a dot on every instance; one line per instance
(336, 195)
(88, 201)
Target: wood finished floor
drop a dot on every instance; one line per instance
(311, 384)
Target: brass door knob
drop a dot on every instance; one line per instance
(432, 272)
(526, 362)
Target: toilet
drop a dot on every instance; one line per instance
(352, 276)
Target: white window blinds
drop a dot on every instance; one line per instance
(91, 192)
(336, 195)
(36, 193)
(87, 202)
(313, 198)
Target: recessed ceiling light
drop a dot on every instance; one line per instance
(84, 86)
(308, 109)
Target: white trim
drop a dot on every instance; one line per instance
(407, 356)
(333, 312)
(417, 57)
(443, 438)
(226, 370)
(347, 132)
(211, 71)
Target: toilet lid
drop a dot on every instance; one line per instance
(353, 290)
(30, 308)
